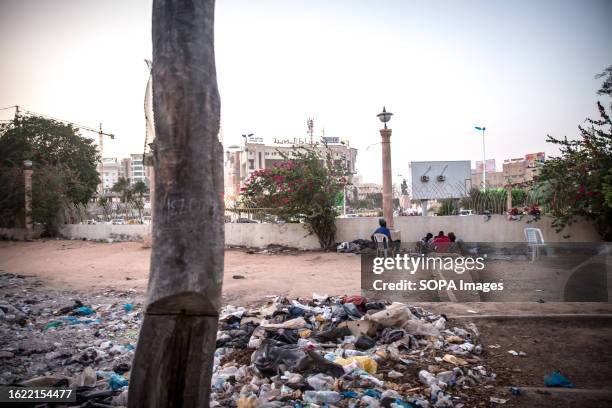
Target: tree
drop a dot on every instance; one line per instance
(138, 190)
(304, 188)
(579, 180)
(122, 186)
(493, 200)
(174, 358)
(64, 164)
(448, 207)
(106, 205)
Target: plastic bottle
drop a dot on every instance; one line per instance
(321, 382)
(320, 397)
(427, 378)
(447, 377)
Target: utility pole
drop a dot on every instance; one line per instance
(174, 356)
(101, 135)
(484, 157)
(101, 165)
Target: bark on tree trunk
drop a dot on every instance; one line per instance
(174, 357)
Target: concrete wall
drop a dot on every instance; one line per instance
(105, 232)
(470, 229)
(236, 234)
(20, 234)
(259, 235)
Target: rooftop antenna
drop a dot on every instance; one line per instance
(310, 124)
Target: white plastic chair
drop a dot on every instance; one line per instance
(535, 241)
(381, 244)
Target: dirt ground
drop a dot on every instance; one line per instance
(84, 265)
(578, 346)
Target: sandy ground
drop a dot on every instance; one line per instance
(576, 345)
(82, 265)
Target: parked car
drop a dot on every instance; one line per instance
(118, 221)
(464, 213)
(246, 221)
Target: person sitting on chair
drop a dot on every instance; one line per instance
(386, 239)
(382, 229)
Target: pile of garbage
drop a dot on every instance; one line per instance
(54, 338)
(344, 352)
(322, 351)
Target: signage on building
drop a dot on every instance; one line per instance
(330, 140)
(535, 159)
(292, 141)
(255, 139)
(490, 165)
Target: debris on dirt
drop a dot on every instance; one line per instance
(57, 340)
(556, 379)
(356, 246)
(341, 351)
(319, 351)
(498, 400)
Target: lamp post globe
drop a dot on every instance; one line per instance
(384, 116)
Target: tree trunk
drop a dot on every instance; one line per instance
(174, 357)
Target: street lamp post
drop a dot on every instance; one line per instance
(484, 157)
(385, 134)
(27, 174)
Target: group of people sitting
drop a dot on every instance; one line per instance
(439, 243)
(429, 243)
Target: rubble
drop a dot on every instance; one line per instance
(322, 351)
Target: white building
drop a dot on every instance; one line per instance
(110, 172)
(137, 170)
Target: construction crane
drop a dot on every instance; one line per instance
(99, 131)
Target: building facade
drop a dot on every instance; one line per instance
(137, 169)
(514, 171)
(110, 173)
(255, 154)
(495, 179)
(366, 189)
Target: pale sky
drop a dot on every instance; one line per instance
(521, 68)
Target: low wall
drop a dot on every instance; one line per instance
(20, 234)
(260, 235)
(105, 232)
(236, 234)
(471, 229)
